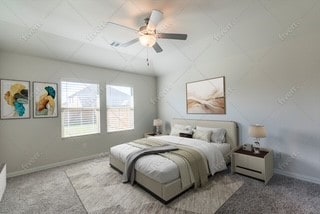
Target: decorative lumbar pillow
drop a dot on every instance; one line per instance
(218, 134)
(177, 129)
(204, 135)
(187, 135)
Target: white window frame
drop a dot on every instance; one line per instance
(131, 108)
(81, 109)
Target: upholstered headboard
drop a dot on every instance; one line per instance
(232, 136)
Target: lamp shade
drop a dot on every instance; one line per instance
(157, 122)
(257, 131)
(147, 40)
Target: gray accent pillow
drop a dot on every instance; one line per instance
(204, 135)
(218, 134)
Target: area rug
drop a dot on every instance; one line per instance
(100, 190)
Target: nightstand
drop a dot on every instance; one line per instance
(148, 134)
(259, 166)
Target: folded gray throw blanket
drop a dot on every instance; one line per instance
(129, 172)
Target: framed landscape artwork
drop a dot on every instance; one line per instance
(14, 97)
(45, 98)
(206, 96)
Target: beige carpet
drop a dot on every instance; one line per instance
(100, 190)
(57, 190)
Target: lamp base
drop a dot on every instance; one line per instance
(256, 148)
(158, 130)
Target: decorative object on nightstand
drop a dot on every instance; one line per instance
(157, 123)
(259, 166)
(257, 131)
(247, 147)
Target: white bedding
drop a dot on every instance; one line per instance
(225, 148)
(164, 170)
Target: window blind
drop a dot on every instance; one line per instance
(80, 109)
(120, 108)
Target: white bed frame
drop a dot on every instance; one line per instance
(167, 192)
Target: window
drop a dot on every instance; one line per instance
(120, 108)
(80, 109)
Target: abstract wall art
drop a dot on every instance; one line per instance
(45, 99)
(206, 96)
(15, 99)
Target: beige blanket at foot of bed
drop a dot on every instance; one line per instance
(193, 166)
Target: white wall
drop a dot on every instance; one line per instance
(276, 85)
(28, 144)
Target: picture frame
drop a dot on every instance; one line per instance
(45, 99)
(206, 96)
(14, 99)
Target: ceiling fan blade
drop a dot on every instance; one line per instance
(157, 47)
(123, 26)
(155, 17)
(172, 36)
(131, 42)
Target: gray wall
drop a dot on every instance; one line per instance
(277, 86)
(30, 144)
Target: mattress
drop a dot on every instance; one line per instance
(164, 170)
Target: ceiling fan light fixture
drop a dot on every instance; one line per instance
(148, 34)
(148, 40)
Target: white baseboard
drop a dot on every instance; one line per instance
(49, 166)
(298, 176)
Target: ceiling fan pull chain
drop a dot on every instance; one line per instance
(148, 64)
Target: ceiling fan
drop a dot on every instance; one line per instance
(148, 34)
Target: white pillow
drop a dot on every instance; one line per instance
(204, 135)
(218, 134)
(177, 129)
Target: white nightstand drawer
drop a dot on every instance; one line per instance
(249, 162)
(250, 173)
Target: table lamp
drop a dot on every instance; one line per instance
(157, 123)
(257, 131)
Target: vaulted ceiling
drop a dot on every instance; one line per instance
(79, 30)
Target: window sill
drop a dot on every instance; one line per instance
(122, 130)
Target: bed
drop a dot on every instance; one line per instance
(158, 175)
